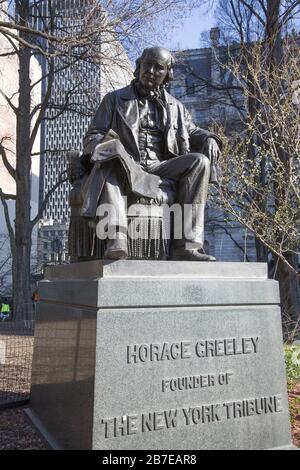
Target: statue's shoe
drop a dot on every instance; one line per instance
(181, 254)
(116, 249)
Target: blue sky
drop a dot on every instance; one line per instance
(187, 35)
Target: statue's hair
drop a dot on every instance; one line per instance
(170, 74)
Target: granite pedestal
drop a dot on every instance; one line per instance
(159, 355)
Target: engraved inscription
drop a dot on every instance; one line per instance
(158, 352)
(191, 415)
(159, 420)
(226, 347)
(195, 381)
(143, 353)
(122, 426)
(250, 407)
(202, 414)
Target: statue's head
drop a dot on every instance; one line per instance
(154, 68)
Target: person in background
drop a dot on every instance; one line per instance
(5, 310)
(35, 298)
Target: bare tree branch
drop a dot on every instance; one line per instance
(9, 102)
(9, 34)
(254, 12)
(8, 223)
(31, 31)
(8, 54)
(7, 196)
(7, 165)
(44, 104)
(46, 200)
(291, 10)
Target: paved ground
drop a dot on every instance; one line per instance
(16, 433)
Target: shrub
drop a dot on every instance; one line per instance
(292, 362)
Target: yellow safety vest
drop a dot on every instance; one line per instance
(5, 308)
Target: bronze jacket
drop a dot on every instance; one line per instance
(119, 111)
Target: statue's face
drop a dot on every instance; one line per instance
(154, 68)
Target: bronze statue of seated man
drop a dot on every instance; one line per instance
(140, 141)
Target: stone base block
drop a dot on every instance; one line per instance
(160, 355)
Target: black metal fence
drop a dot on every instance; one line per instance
(16, 350)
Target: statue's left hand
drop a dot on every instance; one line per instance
(211, 149)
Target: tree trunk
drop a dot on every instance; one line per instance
(21, 263)
(21, 280)
(253, 109)
(261, 251)
(289, 285)
(273, 34)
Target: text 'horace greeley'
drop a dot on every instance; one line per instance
(186, 349)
